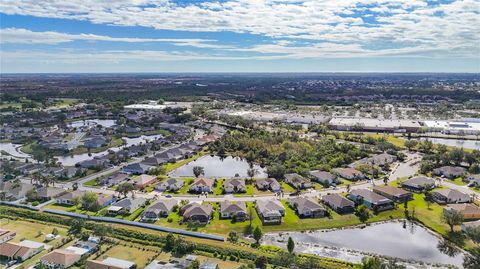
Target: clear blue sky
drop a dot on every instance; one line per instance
(240, 36)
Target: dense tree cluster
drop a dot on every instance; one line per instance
(286, 152)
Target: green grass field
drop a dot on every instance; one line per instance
(137, 254)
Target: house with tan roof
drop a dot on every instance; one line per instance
(393, 193)
(60, 258)
(349, 173)
(234, 185)
(20, 251)
(201, 185)
(143, 181)
(469, 211)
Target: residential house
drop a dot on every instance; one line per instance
(349, 173)
(6, 235)
(95, 142)
(155, 161)
(201, 185)
(171, 184)
(12, 191)
(371, 199)
(93, 163)
(137, 168)
(110, 263)
(450, 172)
(379, 159)
(307, 207)
(195, 212)
(449, 196)
(236, 211)
(47, 193)
(270, 211)
(268, 184)
(116, 179)
(297, 181)
(419, 184)
(20, 251)
(469, 211)
(126, 206)
(393, 193)
(470, 224)
(143, 181)
(323, 177)
(473, 180)
(60, 258)
(106, 199)
(70, 198)
(234, 185)
(161, 208)
(338, 203)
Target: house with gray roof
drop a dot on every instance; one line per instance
(270, 211)
(338, 203)
(116, 179)
(126, 206)
(323, 177)
(171, 184)
(306, 207)
(297, 181)
(69, 198)
(236, 211)
(47, 193)
(14, 191)
(234, 185)
(449, 196)
(195, 212)
(473, 180)
(378, 159)
(450, 172)
(268, 184)
(137, 168)
(371, 199)
(419, 184)
(161, 208)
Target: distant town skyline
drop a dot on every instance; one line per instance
(239, 36)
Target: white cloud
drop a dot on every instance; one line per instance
(397, 26)
(25, 36)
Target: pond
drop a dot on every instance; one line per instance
(393, 239)
(93, 122)
(72, 160)
(468, 144)
(217, 167)
(13, 150)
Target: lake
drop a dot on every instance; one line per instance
(468, 144)
(216, 167)
(72, 160)
(389, 239)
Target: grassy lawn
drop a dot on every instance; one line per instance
(397, 141)
(27, 230)
(218, 190)
(458, 181)
(287, 188)
(73, 209)
(91, 183)
(138, 254)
